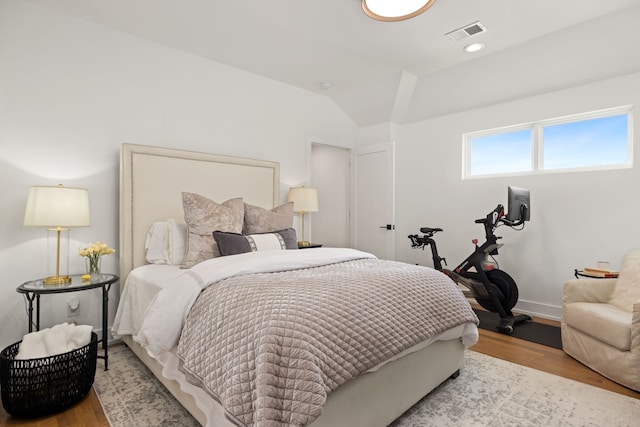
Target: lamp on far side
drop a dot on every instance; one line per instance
(58, 209)
(304, 200)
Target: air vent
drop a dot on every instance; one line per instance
(466, 31)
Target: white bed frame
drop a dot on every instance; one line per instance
(151, 182)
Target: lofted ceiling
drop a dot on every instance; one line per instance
(398, 72)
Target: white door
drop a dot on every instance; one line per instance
(374, 200)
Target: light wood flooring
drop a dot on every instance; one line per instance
(88, 412)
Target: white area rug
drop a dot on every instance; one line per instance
(488, 392)
(131, 396)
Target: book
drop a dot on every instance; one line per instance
(598, 272)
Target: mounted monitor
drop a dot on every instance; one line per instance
(519, 204)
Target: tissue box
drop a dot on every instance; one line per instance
(36, 387)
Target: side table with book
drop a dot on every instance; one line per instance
(596, 273)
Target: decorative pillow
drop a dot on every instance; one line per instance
(627, 288)
(260, 220)
(203, 216)
(233, 243)
(166, 242)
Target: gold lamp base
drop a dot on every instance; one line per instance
(303, 243)
(56, 280)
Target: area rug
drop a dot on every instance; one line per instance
(539, 333)
(488, 392)
(131, 396)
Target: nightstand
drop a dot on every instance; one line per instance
(35, 288)
(582, 273)
(310, 246)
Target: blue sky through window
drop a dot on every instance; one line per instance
(593, 142)
(501, 153)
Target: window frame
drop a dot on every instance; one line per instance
(537, 143)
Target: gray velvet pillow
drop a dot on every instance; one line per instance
(233, 243)
(203, 216)
(261, 220)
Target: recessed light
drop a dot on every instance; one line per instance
(474, 47)
(326, 85)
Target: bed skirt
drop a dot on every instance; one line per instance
(373, 399)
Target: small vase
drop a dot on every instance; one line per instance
(93, 266)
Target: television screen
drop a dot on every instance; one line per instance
(519, 203)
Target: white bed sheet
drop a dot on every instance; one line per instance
(142, 285)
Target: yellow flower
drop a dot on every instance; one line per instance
(93, 252)
(96, 250)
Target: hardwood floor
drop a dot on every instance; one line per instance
(88, 412)
(85, 413)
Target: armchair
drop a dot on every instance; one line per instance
(601, 323)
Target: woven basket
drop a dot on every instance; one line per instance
(36, 387)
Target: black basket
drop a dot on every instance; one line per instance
(36, 387)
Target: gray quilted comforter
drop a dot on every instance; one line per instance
(270, 347)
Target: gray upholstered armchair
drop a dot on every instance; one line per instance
(601, 323)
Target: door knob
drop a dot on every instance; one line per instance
(388, 226)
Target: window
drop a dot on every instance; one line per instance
(590, 141)
(506, 152)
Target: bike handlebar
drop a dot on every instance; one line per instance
(490, 223)
(497, 215)
(493, 217)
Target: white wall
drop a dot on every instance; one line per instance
(576, 219)
(71, 92)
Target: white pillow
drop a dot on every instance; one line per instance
(156, 247)
(166, 242)
(177, 241)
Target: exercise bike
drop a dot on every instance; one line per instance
(479, 276)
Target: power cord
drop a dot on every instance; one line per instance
(26, 311)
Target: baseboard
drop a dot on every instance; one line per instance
(536, 309)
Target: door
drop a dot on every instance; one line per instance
(374, 200)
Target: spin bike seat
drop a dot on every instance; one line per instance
(429, 230)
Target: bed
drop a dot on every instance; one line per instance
(153, 184)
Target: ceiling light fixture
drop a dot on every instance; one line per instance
(474, 47)
(394, 10)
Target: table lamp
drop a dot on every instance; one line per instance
(304, 200)
(57, 208)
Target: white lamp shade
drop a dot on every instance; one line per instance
(57, 207)
(304, 199)
(395, 10)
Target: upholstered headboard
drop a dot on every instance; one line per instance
(152, 180)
